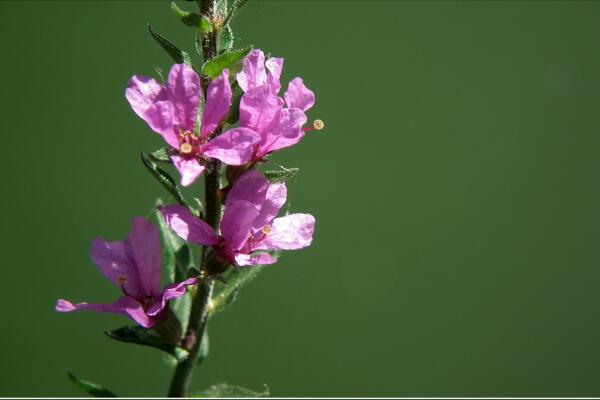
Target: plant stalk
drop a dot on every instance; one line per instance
(198, 319)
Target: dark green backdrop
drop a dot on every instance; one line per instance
(455, 189)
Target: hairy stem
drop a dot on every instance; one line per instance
(198, 319)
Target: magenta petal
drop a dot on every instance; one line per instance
(236, 223)
(252, 187)
(258, 107)
(183, 91)
(117, 266)
(218, 101)
(244, 260)
(291, 232)
(274, 200)
(284, 131)
(143, 246)
(188, 227)
(148, 100)
(253, 72)
(125, 306)
(274, 66)
(189, 169)
(171, 291)
(234, 147)
(298, 95)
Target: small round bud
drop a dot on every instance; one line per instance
(318, 124)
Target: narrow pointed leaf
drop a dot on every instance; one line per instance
(281, 175)
(203, 350)
(90, 388)
(234, 110)
(188, 18)
(164, 178)
(225, 39)
(146, 337)
(179, 56)
(231, 60)
(177, 254)
(237, 4)
(225, 294)
(161, 154)
(226, 390)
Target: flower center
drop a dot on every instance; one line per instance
(188, 143)
(186, 148)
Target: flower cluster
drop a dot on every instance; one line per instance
(250, 231)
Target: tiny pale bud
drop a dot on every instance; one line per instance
(318, 124)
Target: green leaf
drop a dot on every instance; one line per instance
(281, 175)
(161, 154)
(190, 19)
(226, 390)
(177, 254)
(225, 39)
(90, 387)
(231, 60)
(179, 56)
(205, 25)
(146, 337)
(225, 294)
(234, 110)
(164, 178)
(237, 4)
(203, 350)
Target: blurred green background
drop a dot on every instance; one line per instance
(455, 188)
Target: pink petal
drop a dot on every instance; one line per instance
(183, 91)
(298, 95)
(189, 169)
(274, 200)
(171, 291)
(274, 66)
(148, 99)
(236, 223)
(125, 306)
(143, 246)
(117, 265)
(244, 260)
(252, 187)
(234, 147)
(253, 72)
(218, 101)
(284, 131)
(258, 107)
(291, 232)
(189, 228)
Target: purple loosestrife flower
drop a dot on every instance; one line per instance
(249, 227)
(171, 111)
(277, 120)
(134, 266)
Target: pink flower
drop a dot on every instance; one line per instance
(277, 120)
(249, 227)
(171, 111)
(133, 265)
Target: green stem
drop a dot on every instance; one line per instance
(198, 319)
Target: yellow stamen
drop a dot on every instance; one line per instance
(266, 229)
(185, 148)
(318, 124)
(122, 280)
